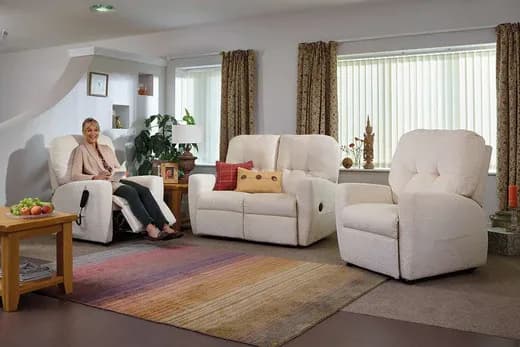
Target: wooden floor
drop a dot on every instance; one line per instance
(45, 321)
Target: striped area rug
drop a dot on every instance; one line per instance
(254, 299)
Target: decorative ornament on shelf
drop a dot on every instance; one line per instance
(368, 146)
(354, 149)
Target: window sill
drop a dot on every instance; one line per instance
(342, 169)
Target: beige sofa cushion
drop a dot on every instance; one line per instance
(224, 200)
(274, 204)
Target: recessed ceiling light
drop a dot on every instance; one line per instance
(102, 8)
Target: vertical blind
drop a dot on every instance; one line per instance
(453, 89)
(198, 91)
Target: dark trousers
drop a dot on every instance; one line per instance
(142, 203)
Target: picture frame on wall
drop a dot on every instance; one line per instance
(97, 84)
(170, 172)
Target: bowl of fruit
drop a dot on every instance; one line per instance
(31, 208)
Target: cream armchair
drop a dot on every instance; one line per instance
(429, 220)
(301, 215)
(97, 215)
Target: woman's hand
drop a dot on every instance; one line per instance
(102, 176)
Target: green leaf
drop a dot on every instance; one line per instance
(188, 118)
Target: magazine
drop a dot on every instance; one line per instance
(117, 176)
(30, 271)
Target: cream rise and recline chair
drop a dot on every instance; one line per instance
(97, 221)
(429, 220)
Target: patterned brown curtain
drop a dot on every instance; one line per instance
(237, 114)
(508, 95)
(317, 102)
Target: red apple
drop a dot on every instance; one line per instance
(46, 209)
(36, 210)
(25, 211)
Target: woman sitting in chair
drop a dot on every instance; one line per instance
(93, 161)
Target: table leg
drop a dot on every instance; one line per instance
(176, 208)
(10, 269)
(64, 256)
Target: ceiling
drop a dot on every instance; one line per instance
(43, 23)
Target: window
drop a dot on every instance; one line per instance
(446, 89)
(197, 89)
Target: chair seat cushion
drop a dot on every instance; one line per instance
(381, 219)
(274, 204)
(224, 200)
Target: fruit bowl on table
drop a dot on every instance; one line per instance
(29, 208)
(30, 216)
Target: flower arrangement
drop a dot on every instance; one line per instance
(354, 149)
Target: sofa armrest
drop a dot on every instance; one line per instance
(198, 183)
(315, 201)
(437, 230)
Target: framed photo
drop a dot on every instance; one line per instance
(98, 84)
(170, 172)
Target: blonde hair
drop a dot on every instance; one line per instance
(87, 121)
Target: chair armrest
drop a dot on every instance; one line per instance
(154, 183)
(315, 201)
(197, 184)
(67, 197)
(358, 193)
(439, 228)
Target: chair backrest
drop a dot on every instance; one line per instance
(314, 155)
(60, 156)
(453, 161)
(261, 149)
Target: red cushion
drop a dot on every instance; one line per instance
(227, 174)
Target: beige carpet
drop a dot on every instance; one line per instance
(485, 301)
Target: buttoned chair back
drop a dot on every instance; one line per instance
(261, 149)
(449, 161)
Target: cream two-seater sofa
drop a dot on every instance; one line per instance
(302, 214)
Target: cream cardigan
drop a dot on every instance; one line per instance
(86, 162)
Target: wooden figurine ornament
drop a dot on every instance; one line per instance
(368, 147)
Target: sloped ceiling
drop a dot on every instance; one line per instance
(42, 23)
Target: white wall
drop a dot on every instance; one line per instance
(275, 38)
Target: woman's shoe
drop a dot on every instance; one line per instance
(161, 236)
(174, 235)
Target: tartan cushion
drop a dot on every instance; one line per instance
(227, 174)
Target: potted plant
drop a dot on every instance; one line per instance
(151, 150)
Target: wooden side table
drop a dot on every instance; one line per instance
(173, 194)
(11, 231)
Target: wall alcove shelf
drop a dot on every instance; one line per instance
(145, 86)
